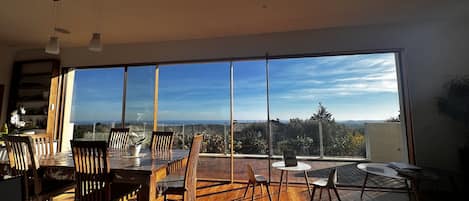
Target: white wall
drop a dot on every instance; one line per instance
(6, 64)
(433, 52)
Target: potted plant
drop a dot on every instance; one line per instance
(455, 104)
(16, 119)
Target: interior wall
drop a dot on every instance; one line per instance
(433, 52)
(6, 65)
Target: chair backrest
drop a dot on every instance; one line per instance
(92, 169)
(190, 179)
(43, 144)
(161, 141)
(118, 138)
(23, 161)
(332, 180)
(251, 175)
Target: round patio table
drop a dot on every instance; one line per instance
(381, 169)
(300, 167)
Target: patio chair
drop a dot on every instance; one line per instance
(118, 138)
(92, 173)
(24, 162)
(256, 180)
(327, 183)
(186, 185)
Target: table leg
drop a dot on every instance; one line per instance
(363, 187)
(307, 183)
(280, 185)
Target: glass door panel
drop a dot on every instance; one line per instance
(140, 94)
(96, 102)
(195, 99)
(250, 113)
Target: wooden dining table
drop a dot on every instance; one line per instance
(146, 169)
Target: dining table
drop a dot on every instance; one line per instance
(146, 168)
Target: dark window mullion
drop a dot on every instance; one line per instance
(124, 97)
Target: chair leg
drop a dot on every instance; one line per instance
(247, 187)
(320, 193)
(165, 199)
(253, 191)
(312, 195)
(337, 194)
(268, 191)
(329, 193)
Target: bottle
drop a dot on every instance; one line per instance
(4, 129)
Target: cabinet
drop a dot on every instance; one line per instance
(34, 86)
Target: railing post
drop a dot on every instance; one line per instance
(94, 129)
(183, 135)
(321, 141)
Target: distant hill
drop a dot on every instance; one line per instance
(355, 122)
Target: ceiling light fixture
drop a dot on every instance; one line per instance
(53, 45)
(95, 44)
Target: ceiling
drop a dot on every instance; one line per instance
(29, 23)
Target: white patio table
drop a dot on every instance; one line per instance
(280, 165)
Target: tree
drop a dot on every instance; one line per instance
(322, 114)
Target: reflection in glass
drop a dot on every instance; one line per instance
(140, 100)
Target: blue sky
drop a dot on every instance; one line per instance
(354, 87)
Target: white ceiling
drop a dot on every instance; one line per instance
(29, 22)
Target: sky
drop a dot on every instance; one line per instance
(352, 87)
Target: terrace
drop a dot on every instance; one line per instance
(336, 83)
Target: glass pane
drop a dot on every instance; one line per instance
(139, 101)
(96, 102)
(195, 98)
(337, 99)
(250, 113)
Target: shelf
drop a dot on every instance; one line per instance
(35, 115)
(45, 74)
(42, 88)
(33, 101)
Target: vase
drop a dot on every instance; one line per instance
(134, 150)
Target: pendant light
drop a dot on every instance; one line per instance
(95, 44)
(53, 45)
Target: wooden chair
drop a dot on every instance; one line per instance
(43, 144)
(92, 173)
(118, 138)
(161, 141)
(187, 185)
(327, 183)
(24, 162)
(256, 180)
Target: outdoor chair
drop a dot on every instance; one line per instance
(327, 183)
(256, 180)
(24, 162)
(92, 174)
(118, 138)
(186, 185)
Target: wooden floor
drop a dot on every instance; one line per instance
(350, 179)
(209, 191)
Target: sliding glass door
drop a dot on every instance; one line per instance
(330, 107)
(250, 117)
(96, 103)
(195, 99)
(139, 102)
